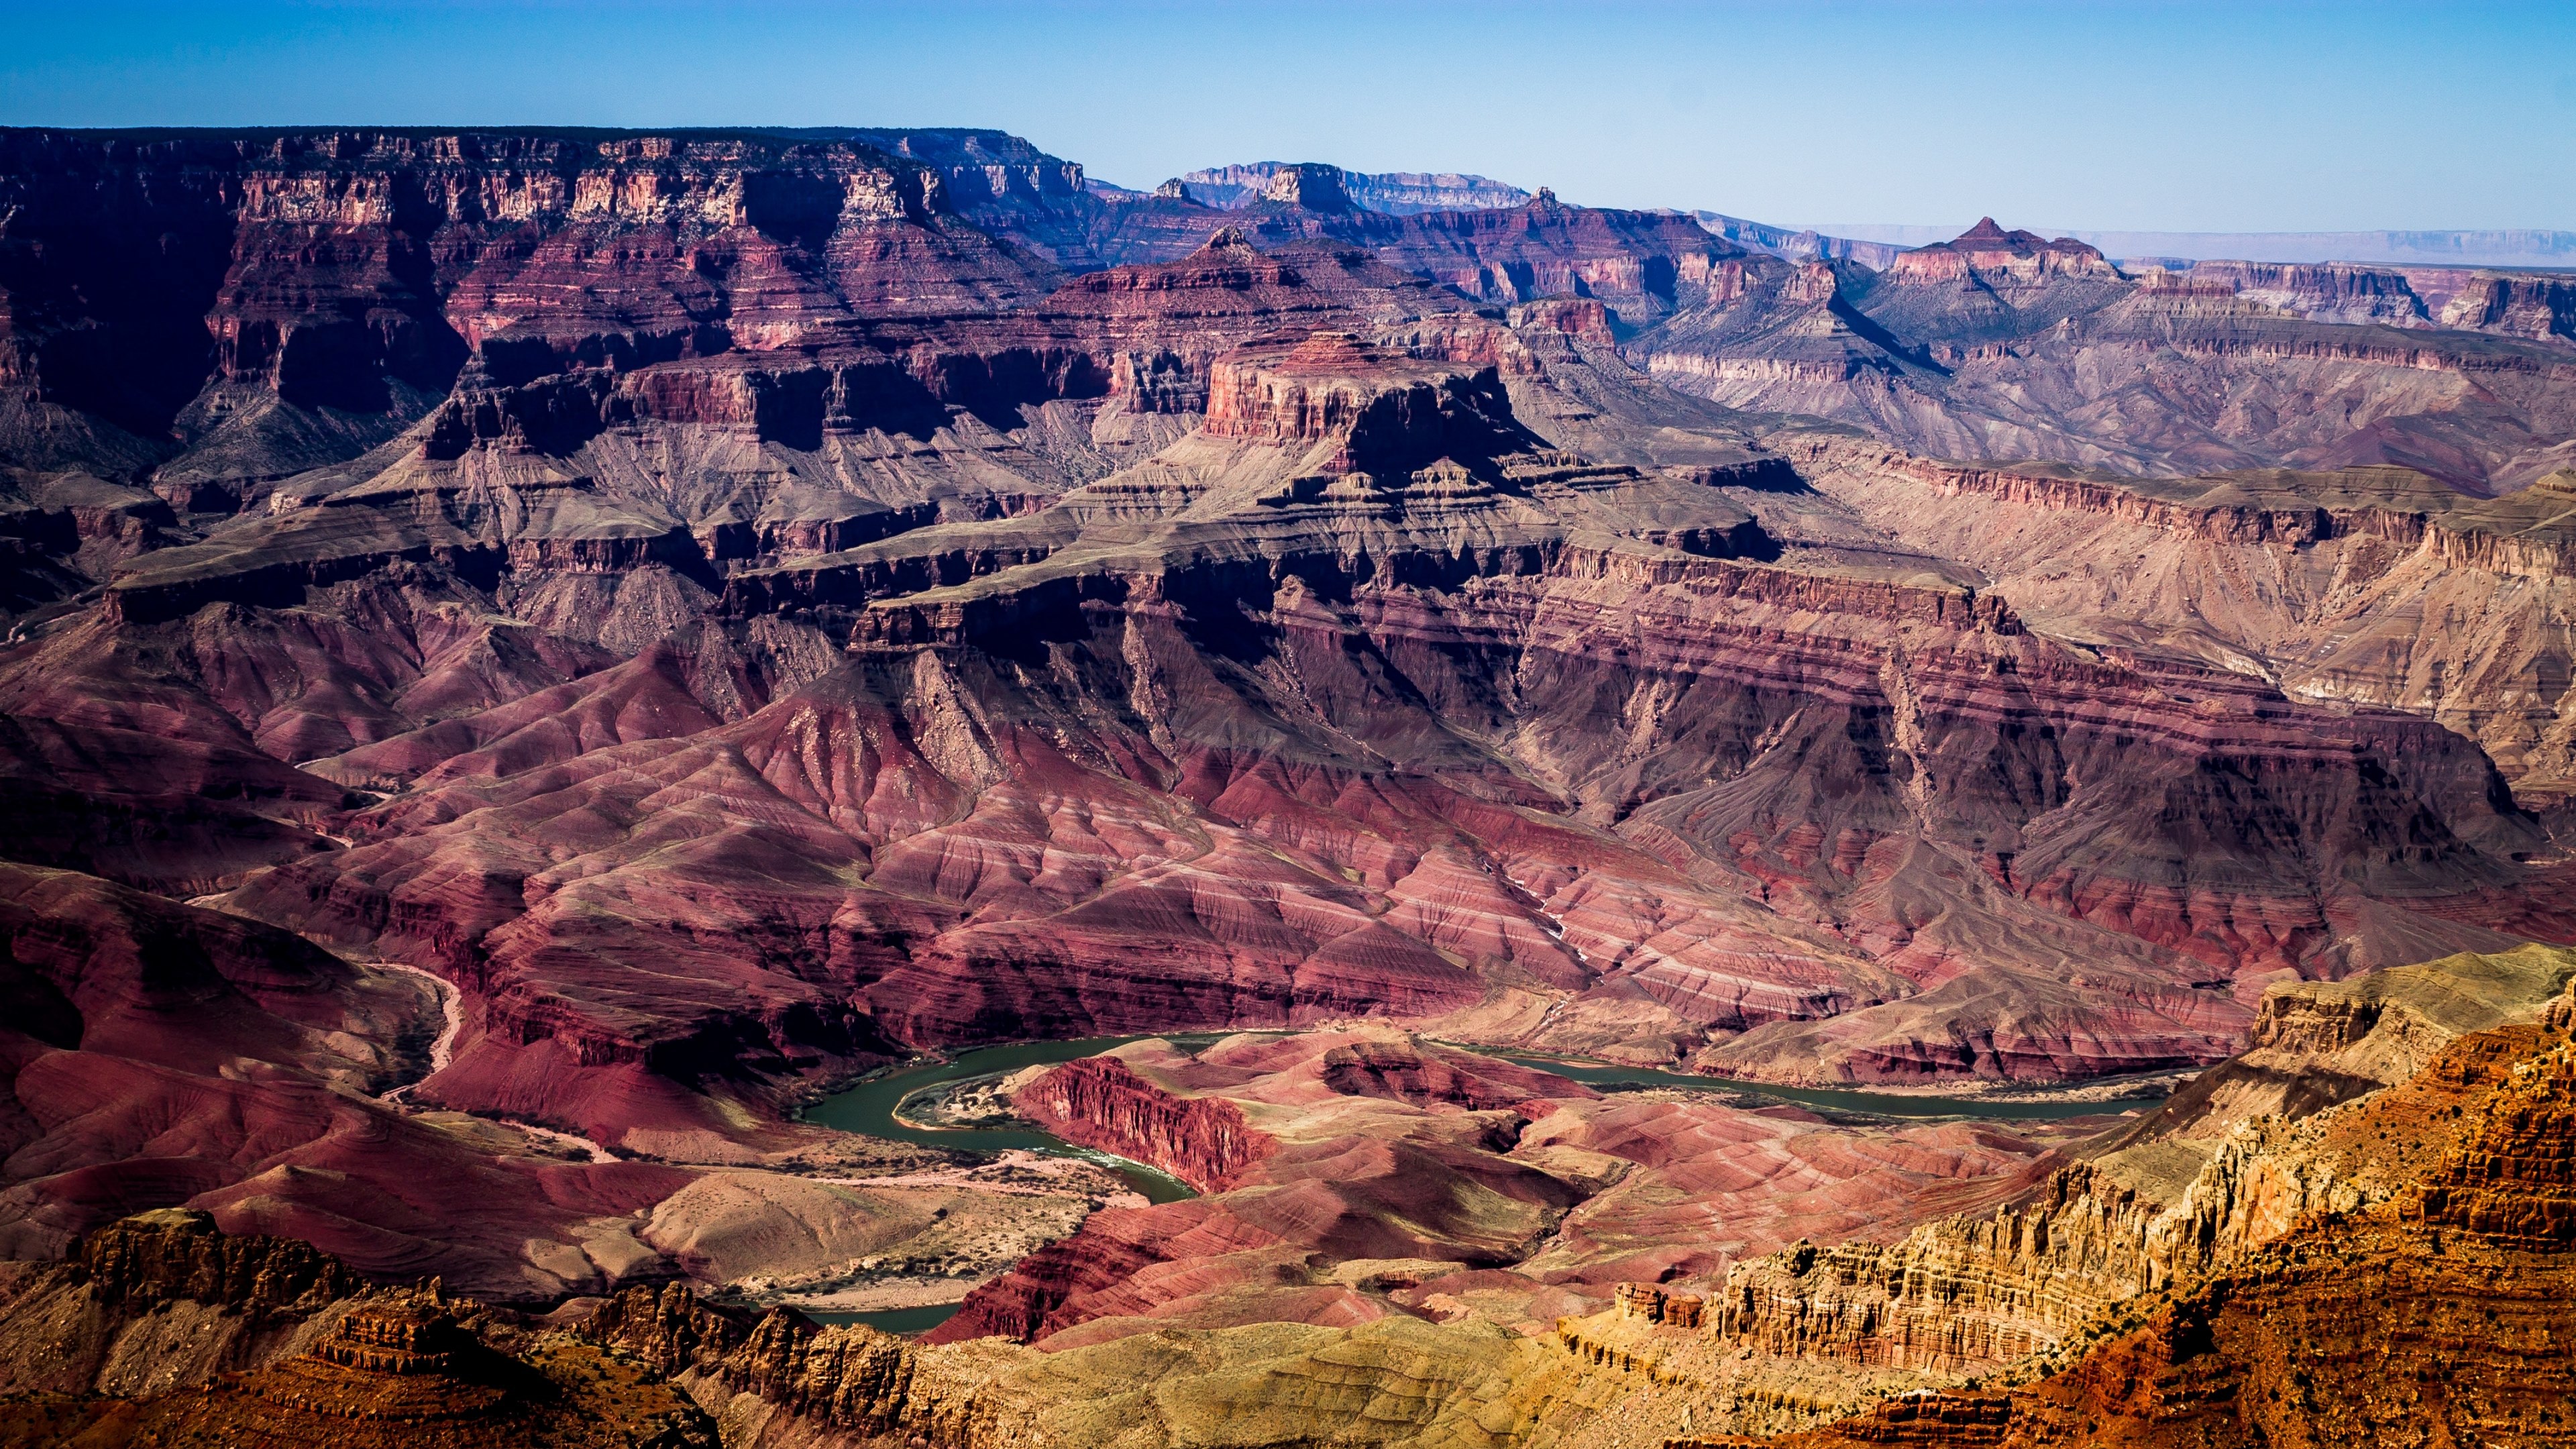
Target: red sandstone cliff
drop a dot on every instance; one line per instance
(1101, 1102)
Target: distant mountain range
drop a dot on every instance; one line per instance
(2417, 248)
(1874, 245)
(1397, 193)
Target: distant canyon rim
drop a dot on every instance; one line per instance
(532, 660)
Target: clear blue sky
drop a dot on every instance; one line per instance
(2247, 116)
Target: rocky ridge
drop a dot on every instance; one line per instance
(2377, 585)
(2005, 345)
(163, 1331)
(2225, 1166)
(2413, 1319)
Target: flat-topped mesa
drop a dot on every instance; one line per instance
(1308, 184)
(2542, 308)
(1397, 193)
(2321, 291)
(1988, 251)
(1383, 411)
(982, 167)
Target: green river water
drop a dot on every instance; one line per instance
(873, 1107)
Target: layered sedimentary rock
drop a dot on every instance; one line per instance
(737, 609)
(1395, 1381)
(2321, 291)
(1505, 529)
(1336, 463)
(2005, 345)
(1400, 193)
(1100, 1102)
(2432, 1315)
(164, 1331)
(2542, 307)
(2224, 1168)
(2369, 585)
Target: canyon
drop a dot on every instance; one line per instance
(528, 657)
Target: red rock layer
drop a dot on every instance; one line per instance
(1101, 1102)
(1403, 1176)
(158, 1054)
(1987, 250)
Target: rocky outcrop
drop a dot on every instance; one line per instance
(2512, 1178)
(1969, 1293)
(1647, 1303)
(2322, 291)
(1999, 258)
(159, 1300)
(2538, 307)
(1956, 1294)
(1101, 1102)
(1386, 414)
(172, 1253)
(852, 1380)
(2428, 1312)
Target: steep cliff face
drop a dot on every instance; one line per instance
(2434, 1315)
(316, 280)
(160, 1300)
(2541, 307)
(1398, 193)
(777, 1380)
(1979, 1292)
(2320, 291)
(1974, 1294)
(1385, 412)
(1101, 1102)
